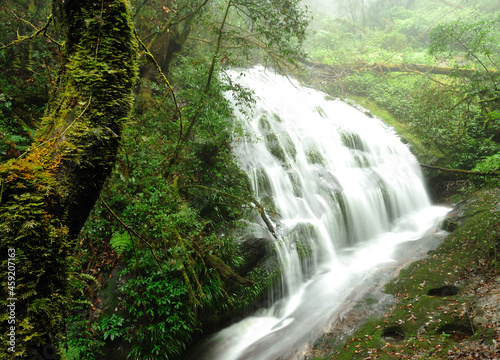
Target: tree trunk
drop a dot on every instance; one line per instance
(46, 196)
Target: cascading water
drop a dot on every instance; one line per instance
(347, 191)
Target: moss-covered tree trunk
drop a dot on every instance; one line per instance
(47, 194)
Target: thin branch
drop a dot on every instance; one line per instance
(138, 9)
(42, 31)
(24, 20)
(190, 267)
(194, 12)
(259, 207)
(217, 49)
(477, 59)
(184, 137)
(99, 31)
(201, 39)
(173, 21)
(162, 75)
(130, 230)
(425, 31)
(61, 134)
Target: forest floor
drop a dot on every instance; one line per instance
(443, 306)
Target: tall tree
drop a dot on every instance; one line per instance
(47, 194)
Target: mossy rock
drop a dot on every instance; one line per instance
(352, 141)
(314, 156)
(277, 118)
(289, 146)
(274, 147)
(264, 125)
(361, 159)
(296, 183)
(263, 182)
(302, 236)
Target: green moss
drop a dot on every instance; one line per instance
(301, 236)
(391, 215)
(352, 141)
(289, 146)
(320, 111)
(296, 183)
(263, 182)
(272, 141)
(40, 242)
(264, 125)
(361, 160)
(274, 147)
(314, 156)
(340, 200)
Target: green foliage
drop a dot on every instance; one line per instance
(112, 326)
(159, 309)
(280, 24)
(178, 214)
(26, 72)
(471, 34)
(491, 163)
(120, 242)
(82, 341)
(39, 192)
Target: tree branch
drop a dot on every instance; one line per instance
(42, 31)
(130, 230)
(162, 75)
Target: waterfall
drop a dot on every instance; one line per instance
(346, 191)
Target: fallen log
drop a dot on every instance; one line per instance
(461, 171)
(382, 68)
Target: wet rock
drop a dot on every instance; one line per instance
(446, 290)
(253, 250)
(256, 248)
(458, 216)
(393, 334)
(458, 331)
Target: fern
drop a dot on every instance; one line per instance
(120, 242)
(90, 278)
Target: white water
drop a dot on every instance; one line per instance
(344, 186)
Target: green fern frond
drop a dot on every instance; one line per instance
(121, 242)
(90, 278)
